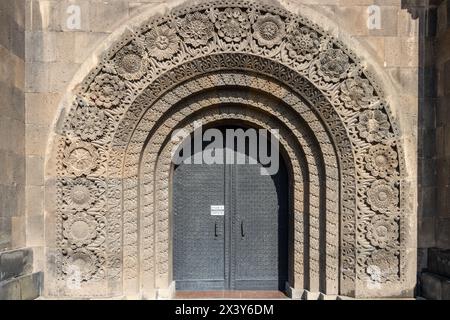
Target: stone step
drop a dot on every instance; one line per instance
(435, 287)
(15, 263)
(439, 262)
(27, 287)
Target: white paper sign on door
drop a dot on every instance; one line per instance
(217, 210)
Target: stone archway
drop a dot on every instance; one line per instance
(113, 167)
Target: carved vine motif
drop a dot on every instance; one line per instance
(192, 40)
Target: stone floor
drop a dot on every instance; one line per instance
(230, 295)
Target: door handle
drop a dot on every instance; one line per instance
(242, 229)
(215, 229)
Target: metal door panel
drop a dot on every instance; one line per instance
(198, 236)
(260, 229)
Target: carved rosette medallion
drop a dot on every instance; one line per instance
(162, 42)
(196, 29)
(80, 158)
(381, 161)
(269, 30)
(233, 25)
(131, 62)
(80, 229)
(383, 196)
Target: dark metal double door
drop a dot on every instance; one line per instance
(243, 249)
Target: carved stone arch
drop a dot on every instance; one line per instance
(311, 160)
(99, 142)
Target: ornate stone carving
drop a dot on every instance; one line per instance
(269, 30)
(333, 65)
(81, 193)
(89, 123)
(107, 91)
(382, 266)
(381, 161)
(382, 231)
(80, 158)
(232, 25)
(80, 229)
(382, 196)
(196, 29)
(82, 262)
(357, 93)
(162, 42)
(373, 125)
(303, 44)
(131, 62)
(212, 38)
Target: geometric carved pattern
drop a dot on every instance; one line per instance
(354, 166)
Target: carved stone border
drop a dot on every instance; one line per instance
(328, 74)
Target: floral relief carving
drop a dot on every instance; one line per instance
(130, 62)
(381, 161)
(196, 29)
(333, 65)
(89, 123)
(373, 125)
(382, 231)
(382, 266)
(357, 93)
(80, 158)
(162, 42)
(232, 25)
(81, 193)
(107, 91)
(81, 261)
(382, 196)
(80, 228)
(269, 30)
(303, 44)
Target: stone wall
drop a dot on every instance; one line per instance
(12, 124)
(57, 58)
(442, 217)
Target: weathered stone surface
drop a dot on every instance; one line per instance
(27, 287)
(15, 263)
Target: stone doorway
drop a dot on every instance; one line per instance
(112, 162)
(230, 217)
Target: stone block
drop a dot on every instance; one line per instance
(35, 171)
(427, 202)
(352, 19)
(15, 108)
(27, 287)
(41, 108)
(5, 233)
(15, 263)
(446, 290)
(42, 46)
(435, 287)
(426, 227)
(31, 286)
(439, 261)
(35, 231)
(443, 231)
(10, 290)
(18, 232)
(101, 13)
(60, 75)
(401, 52)
(34, 200)
(36, 142)
(37, 77)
